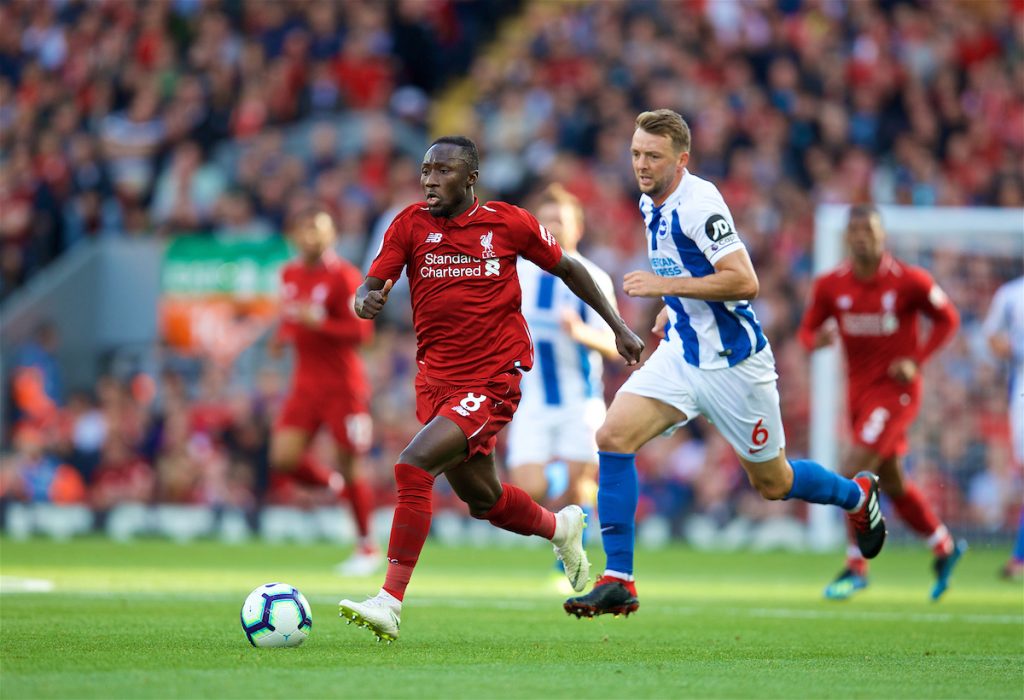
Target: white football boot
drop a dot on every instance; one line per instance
(568, 544)
(380, 614)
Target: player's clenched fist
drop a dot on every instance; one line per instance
(643, 284)
(369, 302)
(628, 344)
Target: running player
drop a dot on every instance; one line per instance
(714, 361)
(472, 347)
(1004, 328)
(329, 387)
(876, 301)
(563, 397)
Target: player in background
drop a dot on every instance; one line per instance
(563, 397)
(1004, 329)
(876, 301)
(329, 386)
(472, 347)
(714, 361)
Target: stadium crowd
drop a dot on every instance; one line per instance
(793, 103)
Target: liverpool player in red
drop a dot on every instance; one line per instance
(875, 300)
(329, 387)
(472, 344)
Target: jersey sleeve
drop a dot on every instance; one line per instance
(713, 230)
(998, 318)
(394, 251)
(933, 303)
(534, 242)
(341, 322)
(286, 327)
(818, 310)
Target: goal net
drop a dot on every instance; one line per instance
(959, 449)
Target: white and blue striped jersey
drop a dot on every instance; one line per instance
(565, 373)
(1006, 316)
(686, 236)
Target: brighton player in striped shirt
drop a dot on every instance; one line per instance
(563, 397)
(714, 361)
(1004, 329)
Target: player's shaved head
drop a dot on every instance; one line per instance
(865, 237)
(469, 151)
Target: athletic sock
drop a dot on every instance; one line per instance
(1018, 548)
(313, 473)
(618, 492)
(915, 512)
(410, 526)
(360, 495)
(516, 512)
(816, 484)
(855, 560)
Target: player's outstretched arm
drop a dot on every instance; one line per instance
(579, 281)
(371, 296)
(734, 279)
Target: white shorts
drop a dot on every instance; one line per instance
(741, 401)
(539, 435)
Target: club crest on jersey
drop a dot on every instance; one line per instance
(663, 228)
(433, 237)
(485, 242)
(844, 302)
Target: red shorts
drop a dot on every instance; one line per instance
(480, 409)
(880, 423)
(348, 420)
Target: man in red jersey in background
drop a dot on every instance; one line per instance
(875, 300)
(330, 386)
(472, 345)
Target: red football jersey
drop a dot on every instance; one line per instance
(465, 291)
(327, 354)
(878, 322)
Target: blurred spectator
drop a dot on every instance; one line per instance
(121, 477)
(34, 475)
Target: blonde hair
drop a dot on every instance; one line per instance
(665, 122)
(556, 192)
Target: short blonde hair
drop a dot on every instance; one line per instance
(665, 122)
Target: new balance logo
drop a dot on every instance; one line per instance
(433, 237)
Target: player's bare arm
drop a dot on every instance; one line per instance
(371, 296)
(602, 340)
(659, 323)
(734, 279)
(580, 283)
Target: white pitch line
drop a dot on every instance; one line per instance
(536, 604)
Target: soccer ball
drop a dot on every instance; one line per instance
(276, 615)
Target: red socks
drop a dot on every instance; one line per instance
(516, 512)
(360, 495)
(312, 473)
(915, 512)
(410, 527)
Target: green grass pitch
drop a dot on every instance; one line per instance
(160, 620)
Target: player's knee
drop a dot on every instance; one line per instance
(771, 487)
(284, 460)
(415, 457)
(612, 437)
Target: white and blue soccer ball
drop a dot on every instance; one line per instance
(276, 615)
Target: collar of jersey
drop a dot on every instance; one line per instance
(466, 217)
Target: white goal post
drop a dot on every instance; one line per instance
(975, 230)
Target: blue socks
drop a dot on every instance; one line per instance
(1018, 549)
(813, 483)
(617, 494)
